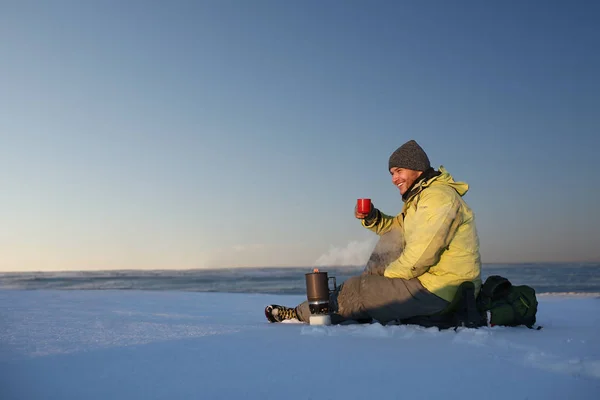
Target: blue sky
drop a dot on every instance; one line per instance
(192, 134)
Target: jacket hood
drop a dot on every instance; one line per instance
(444, 178)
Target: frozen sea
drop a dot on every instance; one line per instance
(545, 278)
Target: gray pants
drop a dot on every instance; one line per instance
(373, 296)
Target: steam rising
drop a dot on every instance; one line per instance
(354, 254)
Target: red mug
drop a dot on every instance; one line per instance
(363, 206)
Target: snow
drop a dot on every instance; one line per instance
(181, 345)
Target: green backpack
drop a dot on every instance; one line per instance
(506, 304)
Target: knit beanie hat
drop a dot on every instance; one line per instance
(411, 156)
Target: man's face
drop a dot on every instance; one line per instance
(403, 178)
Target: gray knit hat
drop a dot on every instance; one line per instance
(411, 156)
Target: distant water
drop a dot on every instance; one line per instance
(545, 278)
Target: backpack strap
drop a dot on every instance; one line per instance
(495, 287)
(537, 328)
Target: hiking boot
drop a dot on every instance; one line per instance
(275, 313)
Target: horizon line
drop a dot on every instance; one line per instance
(483, 265)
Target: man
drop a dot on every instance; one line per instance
(423, 255)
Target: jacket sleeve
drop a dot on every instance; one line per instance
(384, 223)
(427, 233)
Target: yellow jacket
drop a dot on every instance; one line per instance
(440, 243)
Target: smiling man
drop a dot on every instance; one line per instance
(423, 255)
